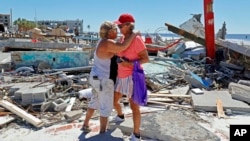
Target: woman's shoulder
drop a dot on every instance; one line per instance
(103, 43)
(139, 38)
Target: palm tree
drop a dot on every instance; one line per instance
(24, 25)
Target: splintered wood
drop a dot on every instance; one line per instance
(21, 113)
(220, 110)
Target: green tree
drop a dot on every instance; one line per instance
(24, 25)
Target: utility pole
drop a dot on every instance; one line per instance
(35, 18)
(209, 29)
(11, 24)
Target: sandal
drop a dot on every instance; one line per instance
(85, 129)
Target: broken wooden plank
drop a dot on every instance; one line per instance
(220, 110)
(23, 114)
(169, 104)
(156, 102)
(5, 113)
(169, 95)
(70, 105)
(6, 119)
(2, 109)
(164, 92)
(189, 35)
(84, 68)
(159, 99)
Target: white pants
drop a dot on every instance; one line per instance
(103, 96)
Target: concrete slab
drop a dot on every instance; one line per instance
(111, 135)
(168, 126)
(14, 87)
(73, 115)
(180, 90)
(65, 132)
(71, 131)
(26, 94)
(207, 101)
(239, 91)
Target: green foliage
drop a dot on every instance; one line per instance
(24, 25)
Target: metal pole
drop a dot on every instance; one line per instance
(209, 28)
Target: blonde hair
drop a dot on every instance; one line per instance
(104, 29)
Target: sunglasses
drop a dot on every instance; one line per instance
(122, 25)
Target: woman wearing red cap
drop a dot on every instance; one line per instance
(124, 84)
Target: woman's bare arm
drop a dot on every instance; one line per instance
(116, 47)
(143, 58)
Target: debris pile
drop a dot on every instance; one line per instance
(42, 99)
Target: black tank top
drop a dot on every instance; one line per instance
(113, 68)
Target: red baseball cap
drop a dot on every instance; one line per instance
(125, 18)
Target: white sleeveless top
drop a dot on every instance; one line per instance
(101, 67)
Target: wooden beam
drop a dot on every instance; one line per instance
(188, 35)
(5, 113)
(164, 92)
(169, 95)
(2, 109)
(21, 113)
(156, 102)
(70, 105)
(160, 99)
(169, 104)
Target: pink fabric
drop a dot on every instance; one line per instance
(130, 53)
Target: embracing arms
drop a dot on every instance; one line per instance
(143, 58)
(116, 47)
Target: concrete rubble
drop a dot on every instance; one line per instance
(240, 90)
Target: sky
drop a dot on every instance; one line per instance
(149, 14)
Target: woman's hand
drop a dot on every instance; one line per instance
(126, 63)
